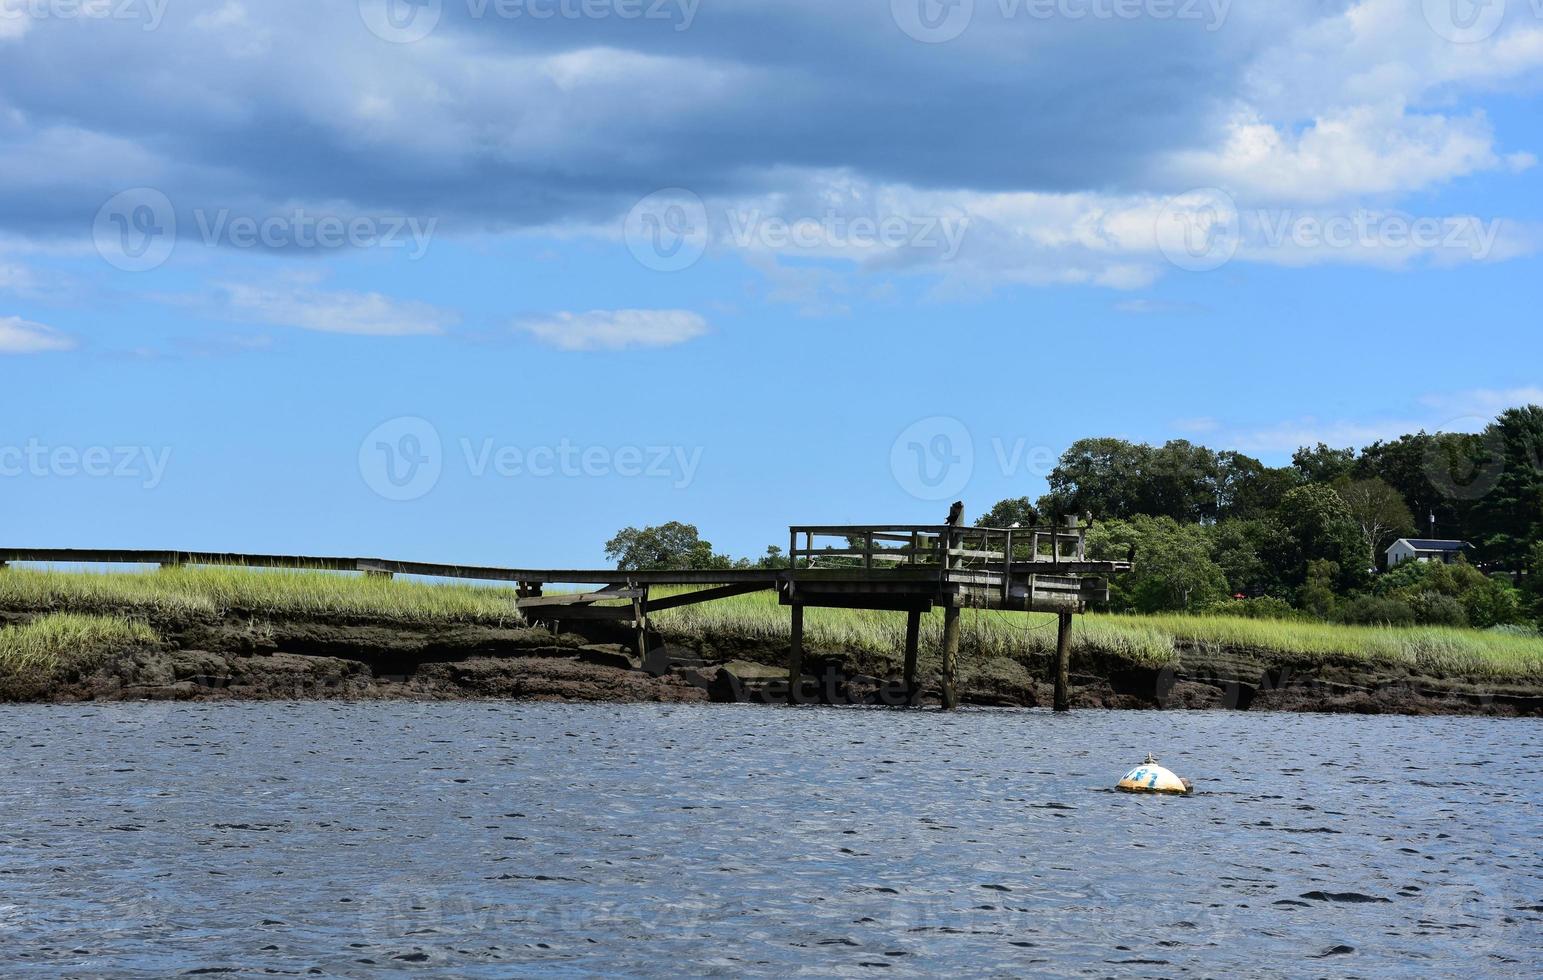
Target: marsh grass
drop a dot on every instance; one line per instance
(875, 638)
(1147, 641)
(202, 591)
(68, 643)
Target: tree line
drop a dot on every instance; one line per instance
(1214, 530)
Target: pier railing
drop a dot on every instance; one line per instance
(981, 550)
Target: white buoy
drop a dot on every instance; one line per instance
(1149, 777)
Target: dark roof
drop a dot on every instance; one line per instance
(1431, 544)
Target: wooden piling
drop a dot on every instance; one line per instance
(1063, 656)
(796, 656)
(913, 631)
(640, 617)
(950, 658)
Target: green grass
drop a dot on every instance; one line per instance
(875, 639)
(1149, 641)
(68, 643)
(195, 591)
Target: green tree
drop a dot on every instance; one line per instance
(1379, 512)
(1509, 518)
(1321, 464)
(1101, 476)
(1006, 513)
(1414, 466)
(1247, 489)
(671, 546)
(1322, 528)
(1317, 595)
(1181, 482)
(1247, 553)
(1173, 569)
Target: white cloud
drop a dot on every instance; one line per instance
(18, 336)
(1463, 411)
(1484, 402)
(1159, 307)
(337, 311)
(616, 329)
(1345, 153)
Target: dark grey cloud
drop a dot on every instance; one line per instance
(499, 122)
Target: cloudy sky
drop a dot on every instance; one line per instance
(488, 279)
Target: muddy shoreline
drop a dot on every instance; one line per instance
(243, 658)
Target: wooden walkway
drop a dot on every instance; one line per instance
(905, 568)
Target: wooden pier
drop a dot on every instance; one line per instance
(904, 568)
(916, 568)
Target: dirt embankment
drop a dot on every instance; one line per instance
(246, 658)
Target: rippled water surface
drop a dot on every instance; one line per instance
(507, 839)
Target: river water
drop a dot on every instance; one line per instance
(489, 840)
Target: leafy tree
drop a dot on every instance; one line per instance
(671, 546)
(1509, 518)
(1116, 479)
(1416, 466)
(1247, 489)
(1493, 603)
(1181, 482)
(1173, 568)
(1317, 595)
(1006, 513)
(1244, 551)
(1379, 512)
(1321, 528)
(1321, 464)
(1102, 476)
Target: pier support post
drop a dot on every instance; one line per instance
(950, 658)
(1063, 657)
(796, 657)
(913, 631)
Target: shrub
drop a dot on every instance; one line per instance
(1493, 603)
(1435, 609)
(1370, 610)
(1263, 607)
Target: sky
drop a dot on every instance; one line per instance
(485, 281)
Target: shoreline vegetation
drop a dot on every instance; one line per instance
(214, 633)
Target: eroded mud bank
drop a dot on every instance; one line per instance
(245, 658)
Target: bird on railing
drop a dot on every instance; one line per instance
(955, 514)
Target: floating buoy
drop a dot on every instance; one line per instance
(1149, 777)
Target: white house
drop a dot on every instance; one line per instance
(1425, 549)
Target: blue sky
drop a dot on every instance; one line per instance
(743, 264)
